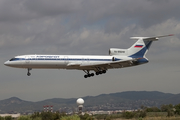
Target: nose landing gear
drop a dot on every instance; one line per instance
(28, 73)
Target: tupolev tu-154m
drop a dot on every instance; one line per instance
(117, 58)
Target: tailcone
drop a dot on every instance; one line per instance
(141, 61)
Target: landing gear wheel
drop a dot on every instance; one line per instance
(92, 74)
(104, 71)
(89, 75)
(28, 74)
(85, 76)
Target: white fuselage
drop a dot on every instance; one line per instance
(56, 61)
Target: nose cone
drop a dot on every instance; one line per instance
(7, 63)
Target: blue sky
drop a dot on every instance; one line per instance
(88, 27)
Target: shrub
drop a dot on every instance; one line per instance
(24, 118)
(8, 118)
(38, 118)
(177, 109)
(153, 109)
(142, 114)
(74, 117)
(128, 115)
(1, 118)
(86, 117)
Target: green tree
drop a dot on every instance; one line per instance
(86, 117)
(8, 118)
(153, 109)
(56, 116)
(99, 117)
(74, 117)
(169, 109)
(108, 117)
(1, 118)
(177, 109)
(47, 116)
(166, 108)
(35, 115)
(142, 114)
(24, 118)
(38, 118)
(128, 115)
(170, 113)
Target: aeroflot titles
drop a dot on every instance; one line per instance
(47, 56)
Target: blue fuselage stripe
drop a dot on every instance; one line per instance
(61, 59)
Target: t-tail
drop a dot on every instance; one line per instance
(138, 50)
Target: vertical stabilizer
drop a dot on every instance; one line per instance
(141, 47)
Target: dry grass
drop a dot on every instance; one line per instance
(153, 118)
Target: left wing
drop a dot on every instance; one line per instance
(109, 65)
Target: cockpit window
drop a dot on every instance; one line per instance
(12, 59)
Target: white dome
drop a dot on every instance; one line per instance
(80, 101)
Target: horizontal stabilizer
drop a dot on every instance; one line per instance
(151, 38)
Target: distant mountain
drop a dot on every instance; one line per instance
(14, 104)
(113, 101)
(175, 99)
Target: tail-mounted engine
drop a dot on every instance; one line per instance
(116, 51)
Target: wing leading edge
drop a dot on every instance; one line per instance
(111, 65)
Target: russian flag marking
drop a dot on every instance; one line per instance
(138, 46)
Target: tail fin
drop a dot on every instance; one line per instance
(141, 47)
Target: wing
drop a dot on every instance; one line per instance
(109, 65)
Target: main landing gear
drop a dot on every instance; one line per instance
(101, 72)
(92, 74)
(88, 74)
(28, 73)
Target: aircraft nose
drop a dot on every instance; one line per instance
(7, 63)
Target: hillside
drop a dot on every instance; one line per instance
(113, 101)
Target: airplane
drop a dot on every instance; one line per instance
(117, 58)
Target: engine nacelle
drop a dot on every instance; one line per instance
(116, 51)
